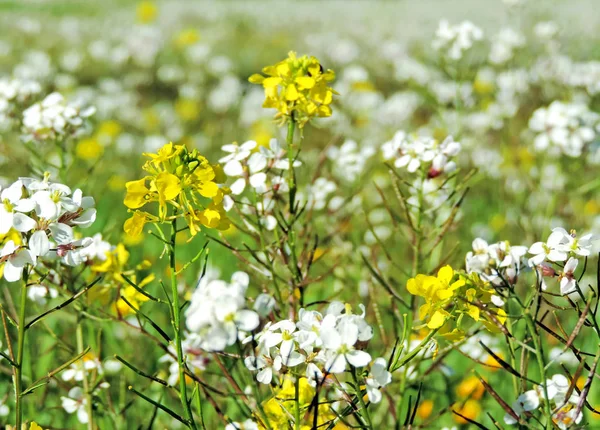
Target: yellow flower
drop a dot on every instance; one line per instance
(425, 408)
(108, 130)
(280, 408)
(187, 109)
(187, 37)
(134, 226)
(146, 12)
(437, 292)
(470, 387)
(182, 180)
(470, 409)
(133, 296)
(88, 149)
(297, 88)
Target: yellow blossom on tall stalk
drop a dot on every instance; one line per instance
(280, 409)
(181, 180)
(297, 88)
(437, 292)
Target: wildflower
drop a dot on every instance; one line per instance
(425, 409)
(146, 11)
(526, 402)
(76, 402)
(217, 312)
(297, 88)
(182, 180)
(567, 281)
(379, 377)
(563, 128)
(469, 409)
(437, 292)
(455, 40)
(53, 118)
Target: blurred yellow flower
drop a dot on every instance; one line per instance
(187, 109)
(88, 149)
(297, 88)
(470, 387)
(470, 409)
(146, 12)
(280, 408)
(187, 37)
(425, 408)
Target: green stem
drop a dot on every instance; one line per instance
(359, 394)
(86, 385)
(20, 348)
(418, 239)
(291, 176)
(177, 327)
(540, 360)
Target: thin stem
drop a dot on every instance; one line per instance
(540, 360)
(86, 385)
(18, 373)
(360, 397)
(177, 327)
(291, 176)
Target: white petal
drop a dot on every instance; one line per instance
(39, 243)
(22, 222)
(358, 358)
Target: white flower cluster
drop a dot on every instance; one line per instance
(562, 246)
(504, 44)
(250, 163)
(557, 257)
(564, 128)
(565, 414)
(218, 314)
(496, 261)
(411, 151)
(53, 118)
(454, 40)
(14, 94)
(324, 344)
(44, 214)
(350, 160)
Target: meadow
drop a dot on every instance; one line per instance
(299, 215)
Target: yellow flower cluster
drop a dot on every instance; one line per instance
(297, 88)
(113, 269)
(280, 409)
(452, 295)
(437, 292)
(182, 180)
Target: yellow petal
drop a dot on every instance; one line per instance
(291, 93)
(133, 226)
(256, 79)
(445, 274)
(136, 194)
(437, 320)
(168, 186)
(305, 82)
(271, 82)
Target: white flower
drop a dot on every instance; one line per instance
(339, 340)
(76, 403)
(53, 117)
(378, 378)
(552, 249)
(563, 128)
(39, 294)
(217, 312)
(265, 367)
(526, 402)
(455, 40)
(246, 425)
(567, 280)
(15, 259)
(13, 208)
